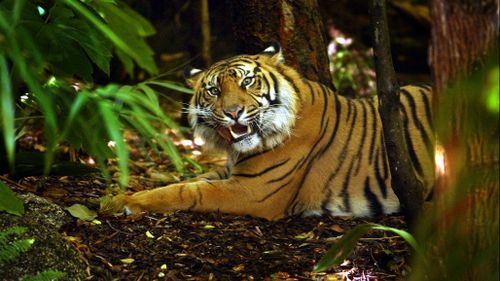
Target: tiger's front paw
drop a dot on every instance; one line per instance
(118, 204)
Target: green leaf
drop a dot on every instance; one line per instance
(199, 167)
(123, 36)
(7, 111)
(114, 130)
(342, 248)
(126, 60)
(143, 26)
(81, 212)
(404, 234)
(345, 245)
(18, 7)
(60, 49)
(171, 85)
(9, 201)
(97, 47)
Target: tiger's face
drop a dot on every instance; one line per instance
(243, 104)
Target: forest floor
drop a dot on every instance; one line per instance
(213, 246)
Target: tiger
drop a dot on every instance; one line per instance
(294, 146)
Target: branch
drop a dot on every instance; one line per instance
(407, 187)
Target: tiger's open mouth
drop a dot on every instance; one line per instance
(236, 132)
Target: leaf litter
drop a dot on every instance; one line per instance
(211, 246)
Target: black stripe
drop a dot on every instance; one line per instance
(325, 105)
(373, 202)
(345, 186)
(338, 111)
(218, 174)
(384, 157)
(275, 191)
(374, 130)
(268, 169)
(275, 86)
(322, 134)
(289, 172)
(181, 190)
(240, 59)
(308, 168)
(416, 120)
(311, 91)
(424, 85)
(327, 199)
(409, 143)
(250, 156)
(294, 85)
(343, 152)
(349, 108)
(428, 112)
(380, 178)
(200, 195)
(292, 209)
(358, 155)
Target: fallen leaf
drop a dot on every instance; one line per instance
(127, 260)
(81, 212)
(149, 235)
(337, 228)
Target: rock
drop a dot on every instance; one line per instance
(50, 250)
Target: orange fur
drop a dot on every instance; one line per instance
(303, 149)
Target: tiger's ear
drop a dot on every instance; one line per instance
(274, 53)
(192, 75)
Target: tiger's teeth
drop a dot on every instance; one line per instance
(237, 135)
(233, 134)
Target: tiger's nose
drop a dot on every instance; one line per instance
(234, 112)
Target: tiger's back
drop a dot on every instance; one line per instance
(336, 160)
(294, 146)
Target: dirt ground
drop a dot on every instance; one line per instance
(213, 246)
(194, 246)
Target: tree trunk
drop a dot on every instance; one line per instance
(407, 187)
(296, 25)
(466, 222)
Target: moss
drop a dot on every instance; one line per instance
(50, 250)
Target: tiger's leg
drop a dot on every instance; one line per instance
(227, 196)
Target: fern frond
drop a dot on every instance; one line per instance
(11, 248)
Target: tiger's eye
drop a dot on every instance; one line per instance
(214, 91)
(247, 81)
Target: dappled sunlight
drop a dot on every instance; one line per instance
(439, 159)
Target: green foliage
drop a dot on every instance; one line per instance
(352, 70)
(338, 252)
(48, 54)
(9, 201)
(10, 248)
(48, 275)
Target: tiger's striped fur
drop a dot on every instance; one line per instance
(294, 146)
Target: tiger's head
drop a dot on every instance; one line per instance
(243, 104)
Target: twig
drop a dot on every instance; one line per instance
(18, 185)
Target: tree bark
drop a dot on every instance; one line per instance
(465, 228)
(407, 187)
(296, 25)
